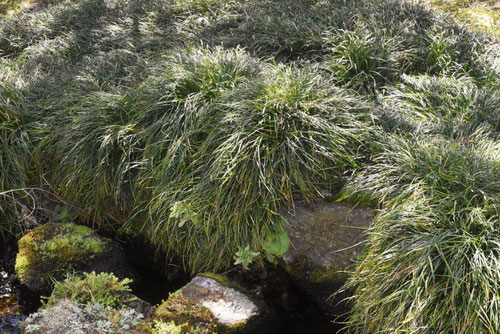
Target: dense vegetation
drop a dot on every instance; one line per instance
(198, 123)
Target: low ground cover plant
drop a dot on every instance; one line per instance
(197, 124)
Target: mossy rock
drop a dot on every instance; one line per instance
(52, 250)
(325, 239)
(211, 303)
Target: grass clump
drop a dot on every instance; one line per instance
(440, 105)
(362, 60)
(291, 135)
(15, 162)
(433, 249)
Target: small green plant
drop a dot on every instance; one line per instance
(160, 327)
(184, 213)
(104, 289)
(245, 256)
(278, 241)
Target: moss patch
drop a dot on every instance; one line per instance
(482, 16)
(185, 313)
(323, 275)
(52, 250)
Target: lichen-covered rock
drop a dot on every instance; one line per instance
(68, 316)
(325, 238)
(212, 304)
(52, 250)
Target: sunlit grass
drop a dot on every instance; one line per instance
(15, 161)
(482, 16)
(431, 265)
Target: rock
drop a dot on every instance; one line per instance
(325, 239)
(52, 250)
(212, 304)
(69, 317)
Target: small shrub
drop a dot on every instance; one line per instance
(103, 289)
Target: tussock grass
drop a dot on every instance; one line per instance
(432, 261)
(289, 135)
(438, 105)
(15, 162)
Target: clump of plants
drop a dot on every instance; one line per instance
(91, 288)
(15, 162)
(249, 151)
(433, 249)
(86, 302)
(441, 105)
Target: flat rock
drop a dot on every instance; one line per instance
(325, 239)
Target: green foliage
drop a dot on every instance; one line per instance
(245, 256)
(15, 160)
(440, 105)
(184, 213)
(203, 148)
(278, 241)
(160, 327)
(361, 59)
(440, 217)
(104, 289)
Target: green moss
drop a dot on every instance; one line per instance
(236, 328)
(479, 15)
(321, 275)
(223, 280)
(183, 311)
(51, 250)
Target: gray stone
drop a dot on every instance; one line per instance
(69, 317)
(325, 239)
(214, 304)
(229, 306)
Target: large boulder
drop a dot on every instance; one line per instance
(52, 250)
(213, 304)
(325, 239)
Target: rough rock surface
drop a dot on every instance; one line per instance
(69, 317)
(325, 239)
(52, 250)
(228, 305)
(213, 304)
